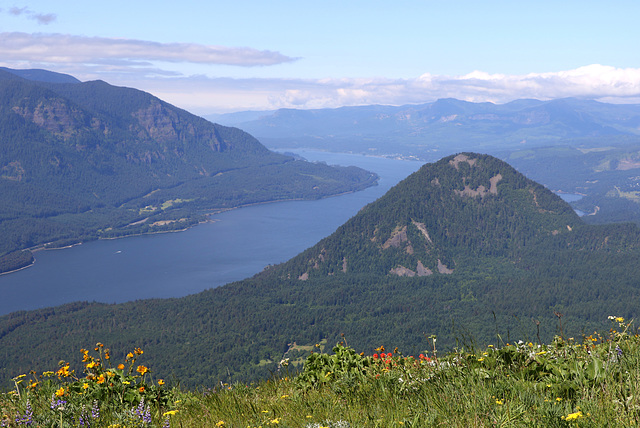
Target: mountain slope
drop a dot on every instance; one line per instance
(497, 251)
(87, 160)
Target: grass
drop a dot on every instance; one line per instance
(594, 381)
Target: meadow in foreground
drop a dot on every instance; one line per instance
(594, 381)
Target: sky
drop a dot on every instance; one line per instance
(224, 56)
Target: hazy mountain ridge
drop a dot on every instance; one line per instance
(86, 160)
(512, 252)
(444, 125)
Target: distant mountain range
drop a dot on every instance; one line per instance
(444, 126)
(466, 248)
(87, 160)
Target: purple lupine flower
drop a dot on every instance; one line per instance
(619, 351)
(167, 424)
(57, 404)
(95, 410)
(147, 415)
(28, 416)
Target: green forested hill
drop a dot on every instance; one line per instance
(466, 249)
(88, 160)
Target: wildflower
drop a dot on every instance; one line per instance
(573, 416)
(558, 399)
(220, 424)
(480, 359)
(129, 356)
(285, 396)
(138, 351)
(64, 371)
(28, 416)
(120, 366)
(376, 356)
(142, 370)
(92, 364)
(85, 386)
(60, 392)
(160, 382)
(141, 389)
(101, 378)
(499, 402)
(95, 410)
(170, 413)
(275, 421)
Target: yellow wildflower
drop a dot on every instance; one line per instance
(60, 392)
(160, 382)
(101, 378)
(499, 402)
(129, 356)
(220, 424)
(138, 351)
(64, 371)
(142, 370)
(170, 413)
(141, 389)
(573, 416)
(120, 366)
(275, 421)
(85, 386)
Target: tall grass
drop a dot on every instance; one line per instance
(593, 381)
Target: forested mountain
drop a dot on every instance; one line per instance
(466, 248)
(89, 160)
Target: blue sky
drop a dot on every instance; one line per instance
(219, 56)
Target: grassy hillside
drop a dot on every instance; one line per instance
(588, 381)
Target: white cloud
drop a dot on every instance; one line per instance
(69, 49)
(138, 64)
(203, 94)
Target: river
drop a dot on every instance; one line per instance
(237, 245)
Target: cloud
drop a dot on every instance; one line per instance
(202, 94)
(70, 49)
(42, 18)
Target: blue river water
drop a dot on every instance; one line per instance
(239, 244)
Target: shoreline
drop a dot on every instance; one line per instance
(43, 247)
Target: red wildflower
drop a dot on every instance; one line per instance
(375, 356)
